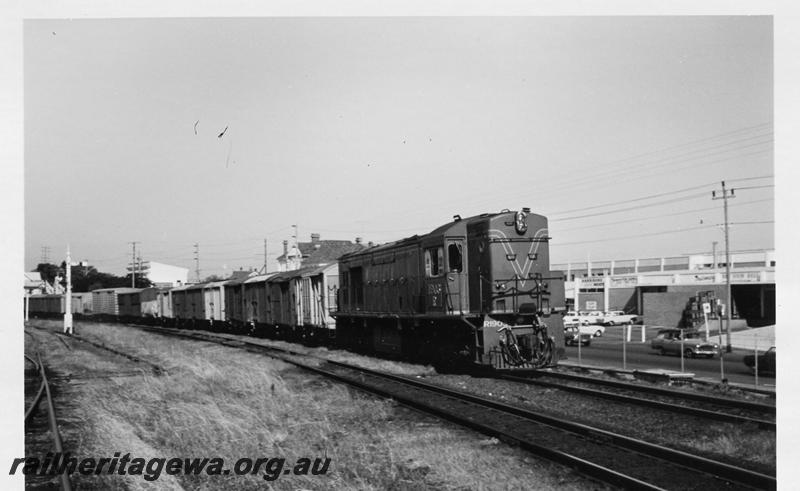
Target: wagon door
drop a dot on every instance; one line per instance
(457, 300)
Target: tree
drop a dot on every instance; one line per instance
(48, 271)
(88, 278)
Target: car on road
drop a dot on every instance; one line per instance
(766, 361)
(584, 317)
(615, 317)
(572, 335)
(587, 320)
(595, 330)
(690, 342)
(571, 318)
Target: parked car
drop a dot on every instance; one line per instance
(571, 318)
(668, 341)
(595, 330)
(591, 316)
(614, 317)
(766, 361)
(573, 333)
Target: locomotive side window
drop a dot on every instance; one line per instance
(454, 257)
(434, 261)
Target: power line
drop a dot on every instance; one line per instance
(570, 182)
(650, 217)
(770, 176)
(651, 234)
(608, 239)
(631, 200)
(610, 212)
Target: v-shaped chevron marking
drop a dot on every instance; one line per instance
(521, 271)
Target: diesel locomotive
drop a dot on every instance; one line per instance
(477, 289)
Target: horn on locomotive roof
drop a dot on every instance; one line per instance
(456, 218)
(526, 209)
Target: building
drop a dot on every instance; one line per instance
(315, 253)
(34, 284)
(162, 275)
(671, 291)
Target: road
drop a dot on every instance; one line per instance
(606, 351)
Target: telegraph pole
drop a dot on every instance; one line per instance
(45, 255)
(729, 305)
(197, 261)
(714, 254)
(133, 265)
(265, 256)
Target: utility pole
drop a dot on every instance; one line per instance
(197, 261)
(265, 256)
(714, 254)
(728, 304)
(133, 265)
(45, 255)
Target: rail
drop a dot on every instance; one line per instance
(44, 389)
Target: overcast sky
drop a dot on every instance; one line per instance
(617, 128)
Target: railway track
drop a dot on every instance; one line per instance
(609, 457)
(34, 423)
(693, 404)
(63, 338)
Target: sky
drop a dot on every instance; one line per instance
(224, 132)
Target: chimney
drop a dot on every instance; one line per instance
(370, 244)
(358, 240)
(314, 238)
(285, 247)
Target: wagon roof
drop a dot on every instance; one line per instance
(261, 277)
(213, 284)
(118, 290)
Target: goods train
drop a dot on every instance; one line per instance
(477, 290)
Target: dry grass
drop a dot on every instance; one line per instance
(724, 441)
(220, 401)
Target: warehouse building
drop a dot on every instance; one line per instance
(671, 291)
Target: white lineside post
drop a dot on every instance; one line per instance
(643, 328)
(27, 304)
(755, 360)
(721, 352)
(68, 299)
(625, 333)
(683, 338)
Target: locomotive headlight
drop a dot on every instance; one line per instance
(521, 222)
(500, 286)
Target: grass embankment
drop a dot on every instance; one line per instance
(223, 402)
